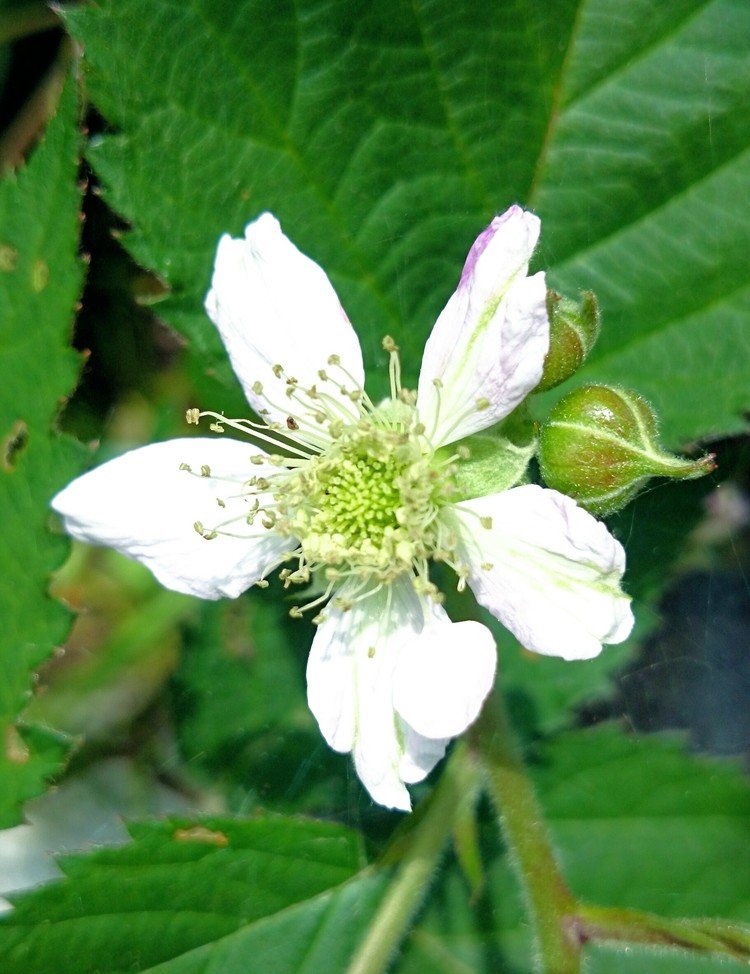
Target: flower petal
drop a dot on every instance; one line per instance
(488, 346)
(420, 756)
(549, 571)
(350, 687)
(443, 677)
(143, 505)
(275, 306)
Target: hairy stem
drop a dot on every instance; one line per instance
(699, 934)
(420, 856)
(551, 904)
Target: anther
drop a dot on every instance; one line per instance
(205, 470)
(186, 466)
(486, 522)
(192, 416)
(482, 404)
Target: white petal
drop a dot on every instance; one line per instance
(143, 505)
(443, 677)
(489, 343)
(420, 756)
(275, 306)
(350, 685)
(549, 571)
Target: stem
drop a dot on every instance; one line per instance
(701, 935)
(458, 785)
(551, 904)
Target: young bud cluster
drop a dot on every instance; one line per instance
(600, 445)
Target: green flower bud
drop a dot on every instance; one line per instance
(600, 445)
(573, 331)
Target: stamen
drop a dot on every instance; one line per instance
(259, 431)
(394, 366)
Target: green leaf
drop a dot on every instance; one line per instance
(385, 138)
(40, 281)
(643, 185)
(637, 823)
(236, 893)
(604, 960)
(228, 895)
(664, 830)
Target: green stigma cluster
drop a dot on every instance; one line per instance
(369, 503)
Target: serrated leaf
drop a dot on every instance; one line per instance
(644, 186)
(234, 895)
(386, 137)
(185, 892)
(40, 281)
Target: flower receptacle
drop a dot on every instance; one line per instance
(600, 445)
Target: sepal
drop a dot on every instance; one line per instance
(494, 460)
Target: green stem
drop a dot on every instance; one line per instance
(701, 934)
(424, 846)
(551, 904)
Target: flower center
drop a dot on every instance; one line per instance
(361, 498)
(367, 505)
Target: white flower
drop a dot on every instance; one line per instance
(358, 497)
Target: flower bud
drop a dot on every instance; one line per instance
(600, 445)
(573, 331)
